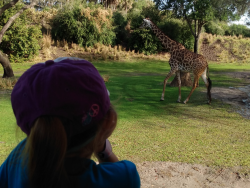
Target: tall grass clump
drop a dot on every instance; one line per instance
(84, 24)
(46, 42)
(7, 83)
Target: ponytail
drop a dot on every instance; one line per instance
(45, 150)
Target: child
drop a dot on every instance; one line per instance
(63, 106)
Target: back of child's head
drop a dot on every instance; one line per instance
(60, 105)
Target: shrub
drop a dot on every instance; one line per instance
(84, 25)
(43, 18)
(177, 30)
(135, 18)
(21, 40)
(237, 30)
(214, 28)
(136, 15)
(153, 13)
(120, 23)
(144, 41)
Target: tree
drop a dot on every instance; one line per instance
(199, 12)
(8, 72)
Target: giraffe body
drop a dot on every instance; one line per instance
(183, 60)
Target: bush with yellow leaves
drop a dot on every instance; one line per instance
(84, 25)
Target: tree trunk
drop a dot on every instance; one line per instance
(185, 80)
(7, 6)
(8, 72)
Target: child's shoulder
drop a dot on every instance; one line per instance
(119, 174)
(123, 173)
(16, 152)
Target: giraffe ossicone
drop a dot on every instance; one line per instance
(181, 59)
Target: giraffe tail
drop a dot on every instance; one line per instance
(209, 87)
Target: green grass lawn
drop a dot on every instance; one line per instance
(152, 130)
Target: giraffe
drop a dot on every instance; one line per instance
(181, 59)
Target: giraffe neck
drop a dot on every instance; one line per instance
(167, 43)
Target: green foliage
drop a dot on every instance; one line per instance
(21, 40)
(228, 10)
(222, 28)
(83, 25)
(237, 30)
(153, 13)
(214, 28)
(144, 41)
(190, 9)
(120, 23)
(139, 4)
(205, 10)
(177, 30)
(135, 17)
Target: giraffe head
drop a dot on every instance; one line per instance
(146, 23)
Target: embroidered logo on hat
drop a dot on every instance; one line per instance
(93, 111)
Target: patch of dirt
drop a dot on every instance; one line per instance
(238, 97)
(180, 175)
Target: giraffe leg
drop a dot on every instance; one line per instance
(196, 78)
(165, 83)
(208, 83)
(179, 85)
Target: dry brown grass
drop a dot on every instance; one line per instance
(228, 48)
(58, 43)
(46, 42)
(46, 46)
(104, 55)
(105, 78)
(47, 53)
(7, 83)
(98, 51)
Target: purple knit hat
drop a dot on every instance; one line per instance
(70, 88)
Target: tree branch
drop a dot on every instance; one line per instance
(190, 26)
(11, 20)
(7, 6)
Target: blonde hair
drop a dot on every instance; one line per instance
(46, 150)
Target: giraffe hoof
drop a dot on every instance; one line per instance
(184, 102)
(178, 101)
(162, 100)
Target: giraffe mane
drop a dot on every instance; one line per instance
(178, 43)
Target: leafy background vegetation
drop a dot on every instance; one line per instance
(87, 24)
(21, 41)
